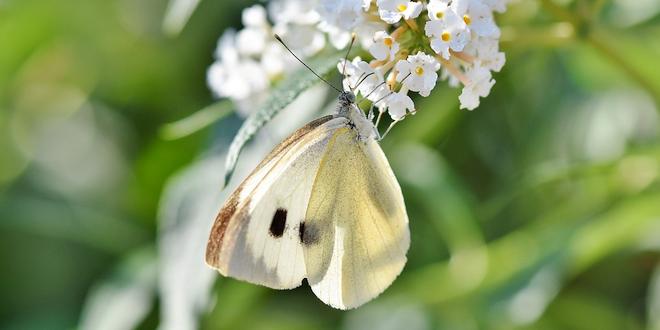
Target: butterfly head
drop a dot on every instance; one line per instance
(357, 120)
(347, 106)
(346, 99)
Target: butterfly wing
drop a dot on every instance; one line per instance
(355, 233)
(255, 236)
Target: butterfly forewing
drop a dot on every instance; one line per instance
(356, 228)
(256, 236)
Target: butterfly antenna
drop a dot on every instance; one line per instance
(359, 77)
(373, 90)
(348, 52)
(362, 79)
(307, 66)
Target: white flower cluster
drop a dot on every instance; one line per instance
(250, 60)
(410, 42)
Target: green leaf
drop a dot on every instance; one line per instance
(197, 121)
(177, 15)
(653, 300)
(126, 297)
(281, 96)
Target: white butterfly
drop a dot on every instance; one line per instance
(323, 205)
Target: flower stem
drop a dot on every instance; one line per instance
(465, 57)
(453, 70)
(400, 30)
(412, 24)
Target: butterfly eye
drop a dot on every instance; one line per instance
(278, 223)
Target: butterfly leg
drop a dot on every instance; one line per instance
(394, 123)
(378, 119)
(388, 129)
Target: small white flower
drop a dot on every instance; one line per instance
(295, 21)
(254, 16)
(398, 104)
(479, 86)
(379, 95)
(418, 73)
(477, 16)
(368, 81)
(275, 60)
(337, 37)
(304, 40)
(339, 19)
(343, 14)
(365, 31)
(391, 11)
(366, 4)
(384, 46)
(351, 71)
(233, 76)
(437, 9)
(487, 51)
(447, 33)
(237, 81)
(251, 41)
(293, 11)
(496, 5)
(374, 87)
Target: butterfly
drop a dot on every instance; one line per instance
(325, 206)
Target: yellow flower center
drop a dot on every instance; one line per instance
(439, 15)
(419, 70)
(446, 36)
(388, 42)
(402, 7)
(467, 19)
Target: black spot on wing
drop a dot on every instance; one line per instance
(301, 231)
(309, 234)
(278, 223)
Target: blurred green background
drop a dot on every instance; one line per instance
(539, 210)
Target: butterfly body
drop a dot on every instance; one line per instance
(323, 205)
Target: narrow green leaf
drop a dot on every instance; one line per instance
(125, 298)
(280, 97)
(177, 14)
(197, 121)
(653, 300)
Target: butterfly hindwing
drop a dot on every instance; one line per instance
(256, 235)
(356, 228)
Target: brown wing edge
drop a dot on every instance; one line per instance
(230, 207)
